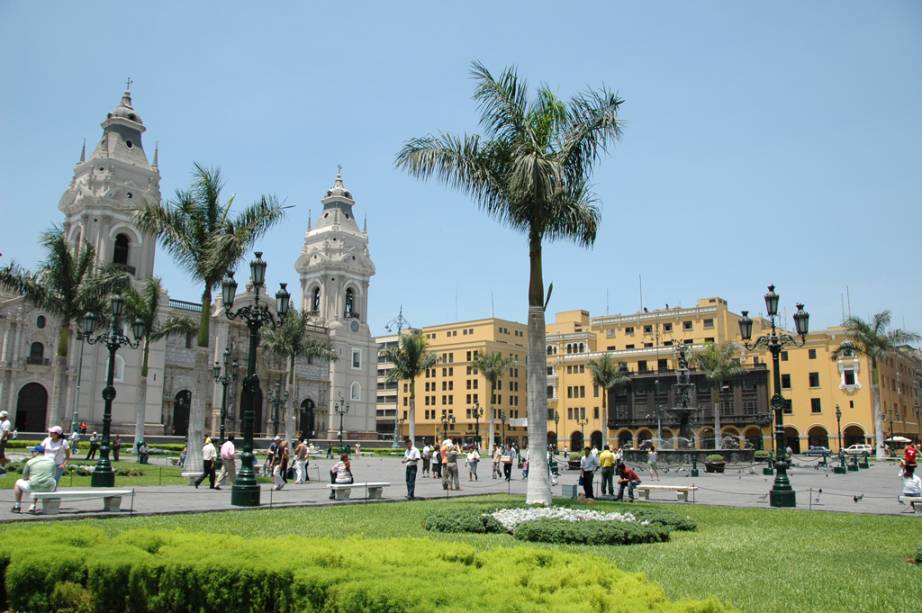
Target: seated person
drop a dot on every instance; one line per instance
(37, 476)
(626, 478)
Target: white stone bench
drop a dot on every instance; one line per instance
(912, 500)
(51, 501)
(681, 491)
(372, 490)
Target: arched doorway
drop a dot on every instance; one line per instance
(730, 438)
(852, 435)
(306, 424)
(792, 439)
(818, 437)
(754, 437)
(596, 439)
(576, 441)
(625, 439)
(181, 406)
(32, 408)
(552, 439)
(644, 439)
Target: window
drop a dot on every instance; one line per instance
(356, 358)
(849, 376)
(120, 251)
(784, 356)
(662, 364)
(610, 333)
(642, 366)
(648, 329)
(550, 371)
(788, 407)
(40, 322)
(786, 382)
(647, 345)
(550, 391)
(569, 412)
(814, 379)
(595, 412)
(629, 346)
(595, 391)
(811, 353)
(582, 391)
(708, 339)
(569, 391)
(687, 325)
(629, 330)
(688, 341)
(315, 300)
(667, 327)
(815, 405)
(708, 323)
(36, 353)
(350, 304)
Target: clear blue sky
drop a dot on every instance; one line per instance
(764, 142)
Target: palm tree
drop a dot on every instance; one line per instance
(289, 341)
(531, 172)
(718, 363)
(410, 358)
(606, 375)
(145, 305)
(200, 234)
(874, 340)
(66, 284)
(492, 365)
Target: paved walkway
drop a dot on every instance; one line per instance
(817, 490)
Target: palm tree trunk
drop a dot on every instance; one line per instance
(412, 419)
(59, 390)
(491, 428)
(880, 452)
(539, 487)
(196, 436)
(204, 318)
(717, 420)
(141, 402)
(288, 412)
(604, 418)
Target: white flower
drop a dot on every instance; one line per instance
(511, 518)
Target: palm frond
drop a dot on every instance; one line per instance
(503, 102)
(592, 124)
(172, 325)
(410, 357)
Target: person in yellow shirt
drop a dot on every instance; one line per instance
(607, 462)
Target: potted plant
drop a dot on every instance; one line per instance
(714, 463)
(762, 455)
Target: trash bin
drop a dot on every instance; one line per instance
(569, 491)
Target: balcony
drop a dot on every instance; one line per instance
(38, 361)
(183, 305)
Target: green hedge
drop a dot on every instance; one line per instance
(664, 518)
(560, 531)
(18, 443)
(473, 519)
(762, 454)
(166, 571)
(919, 555)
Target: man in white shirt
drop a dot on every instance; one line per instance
(411, 458)
(588, 464)
(6, 431)
(301, 453)
(228, 462)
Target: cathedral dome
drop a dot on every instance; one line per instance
(125, 110)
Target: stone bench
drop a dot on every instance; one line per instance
(681, 491)
(912, 500)
(51, 501)
(373, 491)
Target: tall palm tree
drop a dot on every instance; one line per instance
(202, 236)
(718, 363)
(145, 305)
(410, 358)
(606, 375)
(874, 340)
(292, 340)
(492, 365)
(66, 284)
(531, 172)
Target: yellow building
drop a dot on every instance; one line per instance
(455, 389)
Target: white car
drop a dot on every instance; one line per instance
(859, 449)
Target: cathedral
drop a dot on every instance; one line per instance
(182, 396)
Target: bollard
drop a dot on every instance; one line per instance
(864, 461)
(694, 470)
(853, 466)
(770, 469)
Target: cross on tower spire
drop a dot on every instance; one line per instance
(128, 84)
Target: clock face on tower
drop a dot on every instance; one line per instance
(354, 325)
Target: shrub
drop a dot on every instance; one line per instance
(714, 458)
(666, 519)
(919, 555)
(762, 454)
(172, 570)
(466, 519)
(590, 532)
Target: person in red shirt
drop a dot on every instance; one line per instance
(626, 478)
(909, 455)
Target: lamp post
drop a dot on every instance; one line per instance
(245, 492)
(478, 413)
(229, 376)
(75, 414)
(659, 414)
(782, 494)
(582, 421)
(341, 407)
(556, 429)
(447, 419)
(278, 397)
(103, 475)
(502, 421)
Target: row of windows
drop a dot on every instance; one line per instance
(811, 354)
(813, 379)
(576, 391)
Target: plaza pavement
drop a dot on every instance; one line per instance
(877, 489)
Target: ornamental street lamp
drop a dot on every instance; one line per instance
(245, 492)
(75, 414)
(447, 419)
(277, 397)
(229, 376)
(113, 338)
(782, 494)
(478, 413)
(341, 407)
(556, 429)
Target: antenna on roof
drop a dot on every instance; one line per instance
(640, 283)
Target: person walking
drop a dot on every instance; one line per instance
(910, 453)
(301, 462)
(411, 458)
(182, 455)
(280, 465)
(588, 464)
(228, 462)
(38, 475)
(607, 464)
(473, 459)
(427, 458)
(58, 449)
(94, 447)
(341, 473)
(209, 455)
(651, 462)
(6, 432)
(116, 447)
(508, 460)
(270, 455)
(451, 480)
(436, 462)
(626, 478)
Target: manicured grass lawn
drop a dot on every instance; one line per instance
(755, 559)
(153, 474)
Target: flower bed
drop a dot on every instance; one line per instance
(510, 519)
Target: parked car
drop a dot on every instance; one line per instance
(859, 449)
(817, 450)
